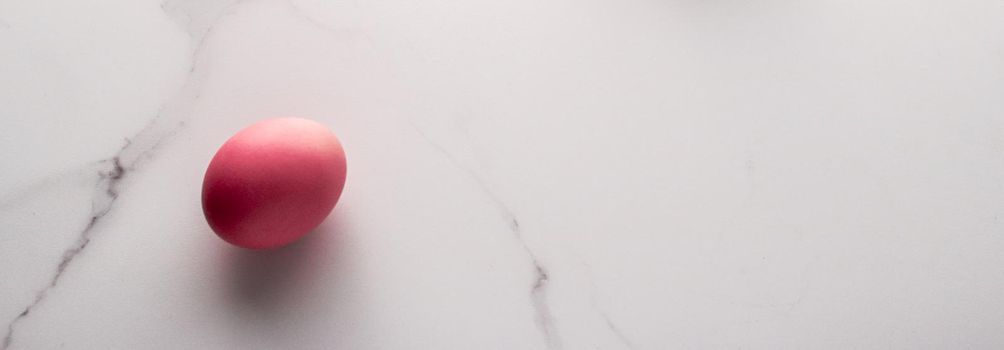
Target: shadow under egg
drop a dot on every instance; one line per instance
(269, 282)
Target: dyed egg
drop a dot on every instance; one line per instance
(273, 182)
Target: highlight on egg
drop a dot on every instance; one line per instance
(273, 182)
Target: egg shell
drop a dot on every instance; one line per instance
(273, 182)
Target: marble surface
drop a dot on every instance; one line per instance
(523, 174)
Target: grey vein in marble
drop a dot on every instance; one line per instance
(168, 120)
(538, 289)
(106, 192)
(297, 12)
(616, 330)
(607, 320)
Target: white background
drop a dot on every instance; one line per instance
(684, 173)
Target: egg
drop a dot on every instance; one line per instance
(273, 182)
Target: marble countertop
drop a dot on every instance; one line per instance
(523, 174)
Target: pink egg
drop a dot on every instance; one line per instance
(273, 182)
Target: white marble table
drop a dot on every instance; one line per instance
(523, 174)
